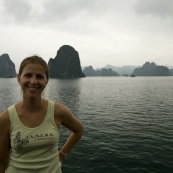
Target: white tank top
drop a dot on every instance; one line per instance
(34, 149)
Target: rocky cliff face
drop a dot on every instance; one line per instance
(151, 69)
(7, 67)
(66, 64)
(171, 72)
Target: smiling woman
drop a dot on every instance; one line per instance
(30, 128)
(33, 79)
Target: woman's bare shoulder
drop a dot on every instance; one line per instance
(4, 115)
(61, 109)
(67, 118)
(4, 120)
(60, 112)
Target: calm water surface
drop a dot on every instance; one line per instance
(127, 121)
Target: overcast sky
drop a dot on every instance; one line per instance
(116, 32)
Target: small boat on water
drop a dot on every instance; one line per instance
(132, 75)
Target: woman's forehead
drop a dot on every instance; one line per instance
(34, 67)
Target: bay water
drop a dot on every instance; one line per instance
(128, 122)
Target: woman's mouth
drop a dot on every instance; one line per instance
(32, 88)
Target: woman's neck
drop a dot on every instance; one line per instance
(32, 104)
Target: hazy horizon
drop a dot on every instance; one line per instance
(103, 32)
(82, 67)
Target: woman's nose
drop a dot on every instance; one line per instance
(33, 79)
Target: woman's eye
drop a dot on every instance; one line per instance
(40, 77)
(28, 75)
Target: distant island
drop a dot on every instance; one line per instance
(151, 69)
(7, 67)
(148, 69)
(124, 70)
(89, 71)
(171, 72)
(66, 64)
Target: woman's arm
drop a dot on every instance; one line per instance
(4, 140)
(68, 120)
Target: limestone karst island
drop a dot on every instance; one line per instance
(7, 67)
(66, 65)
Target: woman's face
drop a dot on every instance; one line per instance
(33, 80)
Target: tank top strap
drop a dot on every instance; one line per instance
(51, 111)
(13, 116)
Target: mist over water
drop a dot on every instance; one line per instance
(127, 121)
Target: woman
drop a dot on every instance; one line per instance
(30, 128)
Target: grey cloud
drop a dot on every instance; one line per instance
(19, 10)
(161, 8)
(66, 9)
(48, 12)
(54, 11)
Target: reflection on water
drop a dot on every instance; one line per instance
(66, 92)
(9, 93)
